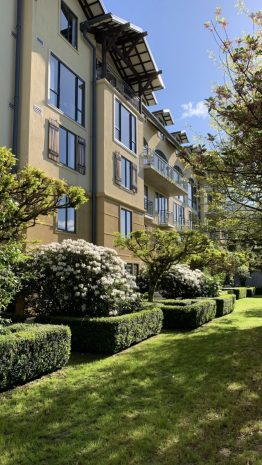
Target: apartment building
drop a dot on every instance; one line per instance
(77, 87)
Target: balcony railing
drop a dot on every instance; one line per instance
(165, 218)
(151, 158)
(119, 85)
(149, 207)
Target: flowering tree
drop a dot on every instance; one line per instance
(159, 250)
(79, 278)
(27, 194)
(232, 164)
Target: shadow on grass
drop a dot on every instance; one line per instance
(184, 399)
(77, 358)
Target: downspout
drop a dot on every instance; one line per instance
(94, 135)
(19, 10)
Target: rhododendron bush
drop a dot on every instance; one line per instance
(181, 281)
(79, 278)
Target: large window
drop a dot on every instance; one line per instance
(66, 217)
(68, 24)
(125, 222)
(67, 91)
(125, 126)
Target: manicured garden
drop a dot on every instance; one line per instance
(178, 398)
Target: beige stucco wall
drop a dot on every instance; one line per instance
(7, 72)
(41, 37)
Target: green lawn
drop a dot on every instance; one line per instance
(176, 399)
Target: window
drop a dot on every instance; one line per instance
(132, 268)
(68, 24)
(125, 222)
(126, 172)
(192, 197)
(125, 126)
(180, 215)
(67, 91)
(160, 203)
(66, 147)
(66, 217)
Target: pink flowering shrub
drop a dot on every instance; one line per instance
(78, 278)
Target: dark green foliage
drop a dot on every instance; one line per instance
(225, 304)
(175, 302)
(29, 351)
(251, 291)
(190, 316)
(111, 334)
(258, 291)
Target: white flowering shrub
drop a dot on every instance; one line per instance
(183, 282)
(79, 278)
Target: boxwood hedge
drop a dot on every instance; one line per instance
(225, 304)
(240, 292)
(251, 291)
(190, 316)
(29, 351)
(111, 334)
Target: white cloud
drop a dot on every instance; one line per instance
(200, 110)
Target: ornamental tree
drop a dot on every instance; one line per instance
(232, 164)
(159, 250)
(28, 193)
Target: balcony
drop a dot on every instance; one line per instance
(166, 219)
(165, 178)
(121, 86)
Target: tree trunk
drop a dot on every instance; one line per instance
(152, 289)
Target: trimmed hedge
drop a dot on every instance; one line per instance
(30, 351)
(258, 291)
(176, 303)
(111, 334)
(240, 292)
(190, 316)
(225, 304)
(251, 291)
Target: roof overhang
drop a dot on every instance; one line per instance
(181, 137)
(164, 116)
(130, 51)
(155, 121)
(92, 8)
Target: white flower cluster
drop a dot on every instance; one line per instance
(181, 281)
(80, 278)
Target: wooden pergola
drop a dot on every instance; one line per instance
(127, 45)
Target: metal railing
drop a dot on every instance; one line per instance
(165, 218)
(151, 158)
(119, 85)
(149, 207)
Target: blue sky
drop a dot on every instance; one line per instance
(180, 45)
